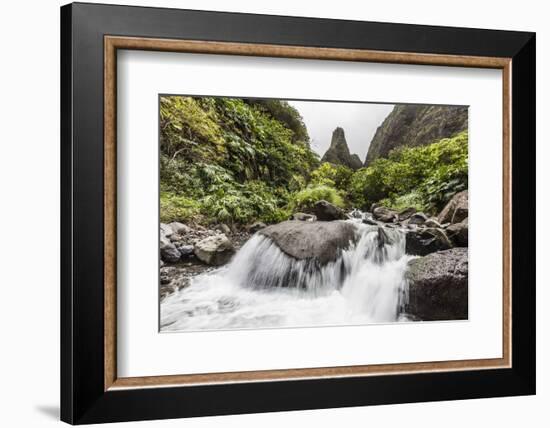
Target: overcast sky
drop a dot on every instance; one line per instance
(359, 121)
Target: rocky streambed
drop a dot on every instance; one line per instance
(398, 265)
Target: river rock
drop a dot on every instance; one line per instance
(166, 230)
(255, 227)
(458, 233)
(215, 250)
(438, 285)
(169, 253)
(385, 214)
(179, 228)
(406, 213)
(186, 251)
(425, 241)
(456, 209)
(432, 222)
(223, 228)
(418, 218)
(325, 211)
(320, 240)
(303, 217)
(166, 274)
(370, 221)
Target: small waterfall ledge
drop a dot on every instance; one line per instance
(263, 287)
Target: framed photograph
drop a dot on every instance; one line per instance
(266, 213)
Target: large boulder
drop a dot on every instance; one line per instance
(456, 209)
(438, 286)
(320, 240)
(385, 214)
(325, 211)
(215, 250)
(421, 242)
(458, 233)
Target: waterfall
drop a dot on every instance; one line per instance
(263, 287)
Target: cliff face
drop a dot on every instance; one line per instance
(338, 152)
(416, 125)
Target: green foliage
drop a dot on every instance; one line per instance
(237, 160)
(307, 197)
(243, 203)
(177, 208)
(285, 113)
(425, 176)
(337, 176)
(410, 200)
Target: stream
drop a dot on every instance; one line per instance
(262, 287)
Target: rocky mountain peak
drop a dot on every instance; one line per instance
(338, 152)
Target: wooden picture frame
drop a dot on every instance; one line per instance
(91, 390)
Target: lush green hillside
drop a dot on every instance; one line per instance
(231, 160)
(410, 125)
(423, 177)
(244, 160)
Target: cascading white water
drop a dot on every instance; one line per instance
(263, 287)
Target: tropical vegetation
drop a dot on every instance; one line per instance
(237, 161)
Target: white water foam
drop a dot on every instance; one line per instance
(262, 287)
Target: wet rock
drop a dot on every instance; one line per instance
(458, 233)
(169, 253)
(355, 213)
(318, 240)
(325, 211)
(383, 237)
(438, 285)
(418, 218)
(186, 251)
(406, 213)
(255, 227)
(166, 274)
(370, 221)
(303, 217)
(215, 250)
(432, 222)
(421, 242)
(385, 214)
(456, 209)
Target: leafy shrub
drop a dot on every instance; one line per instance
(307, 197)
(337, 176)
(242, 203)
(430, 175)
(177, 208)
(284, 112)
(410, 200)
